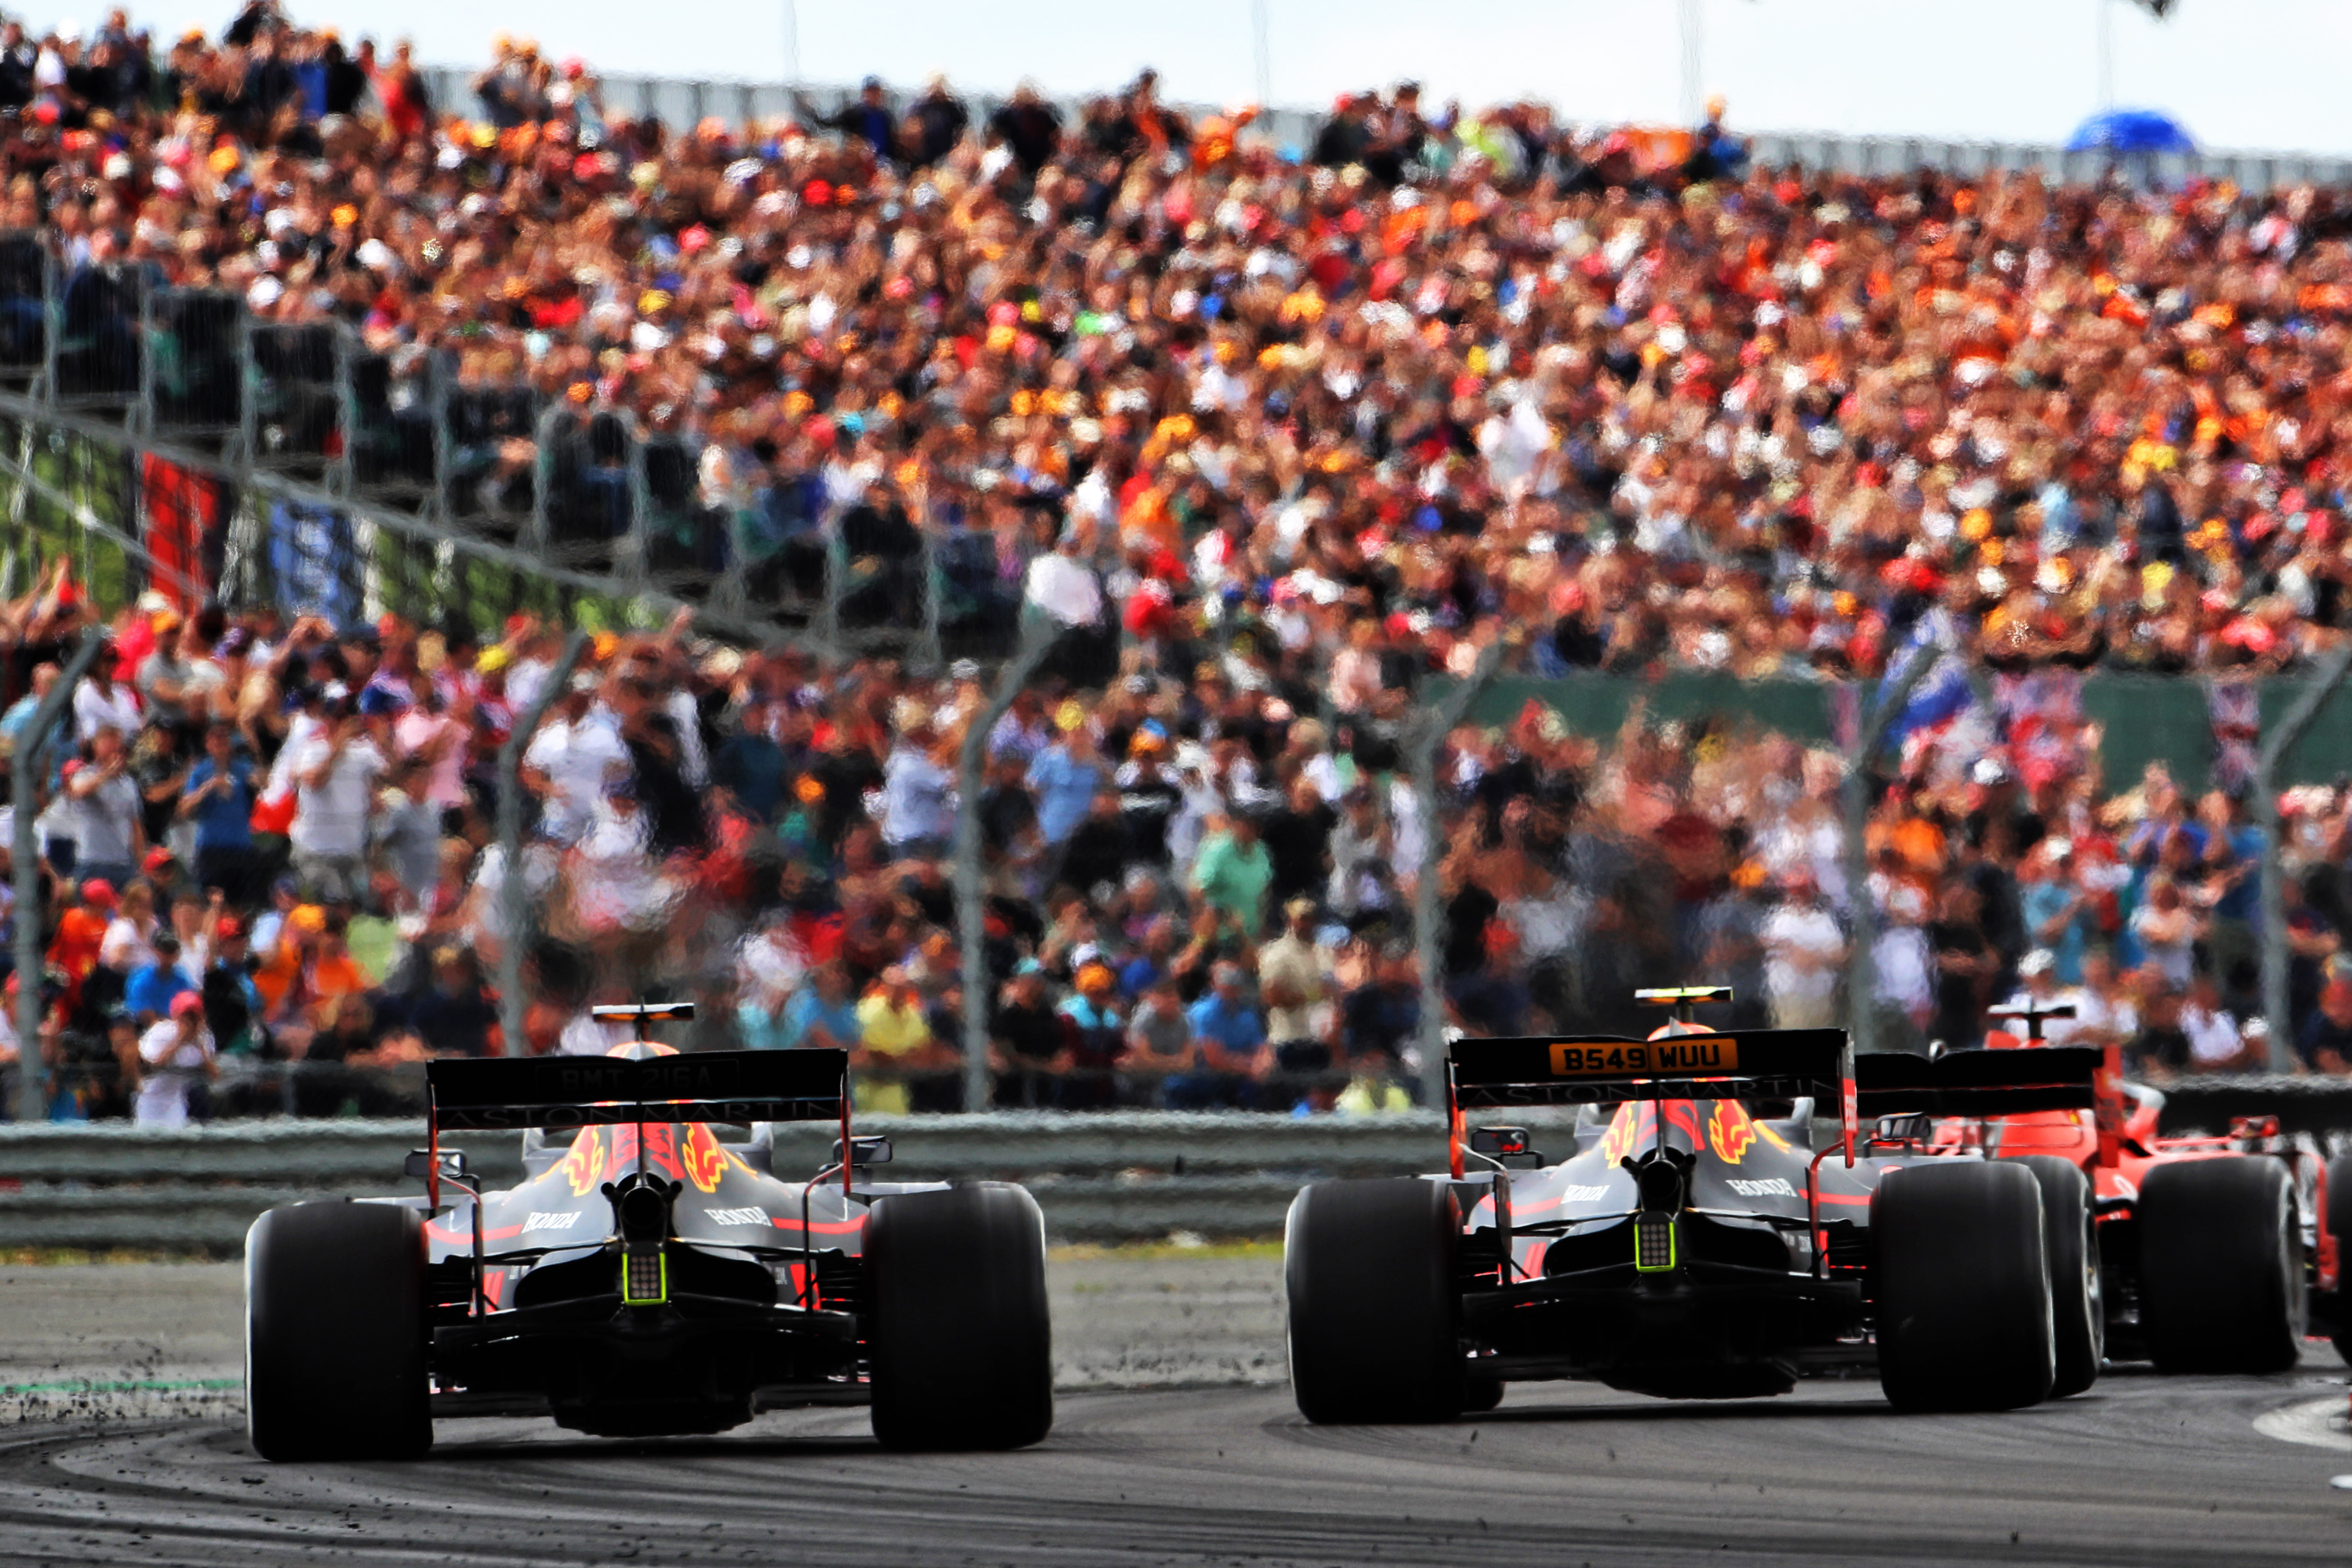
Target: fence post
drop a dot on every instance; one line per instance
(925, 656)
(1037, 636)
(1422, 739)
(1862, 969)
(2275, 956)
(511, 888)
(24, 776)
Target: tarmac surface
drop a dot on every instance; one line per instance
(122, 1441)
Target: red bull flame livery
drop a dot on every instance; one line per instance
(1688, 1240)
(646, 1277)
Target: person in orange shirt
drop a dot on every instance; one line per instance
(81, 931)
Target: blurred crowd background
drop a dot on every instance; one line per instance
(1276, 445)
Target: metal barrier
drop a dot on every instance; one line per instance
(1111, 1176)
(680, 101)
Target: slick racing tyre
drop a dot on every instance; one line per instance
(334, 1333)
(960, 1342)
(2078, 1314)
(2339, 1219)
(2221, 1266)
(1962, 1282)
(1369, 1268)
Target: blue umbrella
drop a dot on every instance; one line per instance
(2131, 130)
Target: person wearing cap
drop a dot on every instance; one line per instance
(1093, 1038)
(177, 1064)
(1028, 1046)
(1228, 1045)
(2059, 910)
(156, 986)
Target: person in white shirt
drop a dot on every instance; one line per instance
(2216, 1043)
(101, 703)
(175, 1057)
(335, 778)
(1804, 953)
(919, 797)
(569, 761)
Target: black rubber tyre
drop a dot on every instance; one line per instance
(1369, 1268)
(2338, 1220)
(335, 1335)
(2221, 1266)
(1962, 1282)
(1480, 1395)
(960, 1342)
(2078, 1310)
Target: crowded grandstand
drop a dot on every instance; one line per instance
(1279, 443)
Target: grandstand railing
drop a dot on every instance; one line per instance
(170, 439)
(683, 102)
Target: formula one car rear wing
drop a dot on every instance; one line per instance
(498, 1093)
(1978, 1083)
(1592, 1070)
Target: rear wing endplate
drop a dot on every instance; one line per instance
(502, 1092)
(1978, 1083)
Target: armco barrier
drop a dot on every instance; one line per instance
(1109, 1177)
(1117, 1176)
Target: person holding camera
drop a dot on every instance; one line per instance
(335, 777)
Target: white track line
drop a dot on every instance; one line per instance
(2316, 1424)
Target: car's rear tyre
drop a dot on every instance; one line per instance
(1962, 1282)
(2221, 1266)
(2078, 1313)
(2338, 1220)
(959, 1338)
(335, 1335)
(1369, 1268)
(1480, 1395)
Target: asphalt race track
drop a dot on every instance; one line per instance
(2213, 1471)
(2142, 1471)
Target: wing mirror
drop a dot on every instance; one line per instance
(419, 1164)
(1501, 1143)
(874, 1151)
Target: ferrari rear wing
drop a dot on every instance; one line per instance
(500, 1092)
(1978, 1083)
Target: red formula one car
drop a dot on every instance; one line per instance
(1692, 1244)
(2210, 1253)
(646, 1278)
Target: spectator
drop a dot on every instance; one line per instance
(894, 1040)
(1294, 975)
(219, 798)
(1804, 953)
(108, 829)
(1228, 1046)
(178, 1066)
(1233, 872)
(335, 776)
